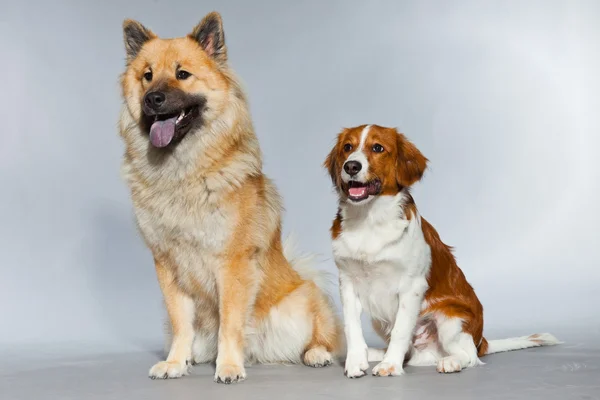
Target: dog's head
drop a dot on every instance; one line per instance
(371, 160)
(174, 86)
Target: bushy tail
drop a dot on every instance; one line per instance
(495, 346)
(523, 342)
(375, 355)
(304, 264)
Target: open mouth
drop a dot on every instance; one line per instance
(358, 191)
(167, 128)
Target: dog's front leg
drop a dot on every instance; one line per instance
(356, 353)
(410, 298)
(237, 291)
(180, 309)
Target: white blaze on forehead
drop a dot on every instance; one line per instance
(363, 137)
(361, 157)
(358, 154)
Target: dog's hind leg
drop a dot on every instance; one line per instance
(457, 344)
(326, 332)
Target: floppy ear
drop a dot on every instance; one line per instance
(135, 35)
(410, 164)
(331, 165)
(209, 33)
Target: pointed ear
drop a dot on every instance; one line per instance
(411, 163)
(209, 33)
(331, 165)
(135, 35)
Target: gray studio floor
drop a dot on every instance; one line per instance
(569, 371)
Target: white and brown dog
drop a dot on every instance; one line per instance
(393, 264)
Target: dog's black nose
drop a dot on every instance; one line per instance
(352, 167)
(155, 100)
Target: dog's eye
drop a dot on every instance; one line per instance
(148, 76)
(377, 148)
(182, 75)
(347, 147)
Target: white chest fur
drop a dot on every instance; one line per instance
(175, 217)
(382, 253)
(183, 224)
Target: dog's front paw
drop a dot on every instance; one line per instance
(388, 369)
(228, 373)
(356, 364)
(168, 370)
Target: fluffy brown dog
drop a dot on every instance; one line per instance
(209, 215)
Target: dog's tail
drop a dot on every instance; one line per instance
(523, 342)
(375, 355)
(304, 264)
(495, 346)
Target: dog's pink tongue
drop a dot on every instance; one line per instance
(162, 132)
(357, 191)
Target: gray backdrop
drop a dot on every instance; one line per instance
(501, 96)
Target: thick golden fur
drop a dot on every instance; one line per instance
(212, 220)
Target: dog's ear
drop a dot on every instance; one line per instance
(135, 35)
(331, 165)
(410, 163)
(209, 33)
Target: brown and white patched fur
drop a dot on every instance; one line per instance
(208, 214)
(394, 266)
